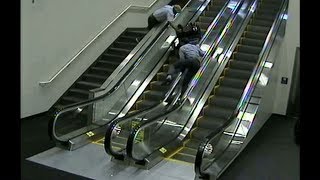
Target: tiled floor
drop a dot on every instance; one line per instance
(271, 154)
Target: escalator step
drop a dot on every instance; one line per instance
(210, 122)
(184, 157)
(233, 83)
(249, 49)
(138, 30)
(267, 10)
(215, 8)
(157, 86)
(124, 45)
(237, 73)
(245, 57)
(229, 92)
(113, 57)
(263, 23)
(262, 16)
(121, 51)
(203, 25)
(95, 78)
(199, 133)
(210, 13)
(87, 85)
(243, 65)
(218, 3)
(205, 19)
(252, 42)
(101, 71)
(134, 34)
(72, 99)
(260, 29)
(145, 104)
(108, 64)
(225, 102)
(78, 93)
(219, 112)
(127, 39)
(165, 67)
(269, 6)
(192, 143)
(255, 35)
(154, 95)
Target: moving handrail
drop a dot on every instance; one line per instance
(43, 83)
(183, 100)
(214, 137)
(114, 124)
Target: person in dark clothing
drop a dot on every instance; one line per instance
(166, 13)
(189, 58)
(191, 34)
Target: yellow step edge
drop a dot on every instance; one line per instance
(178, 161)
(198, 119)
(175, 152)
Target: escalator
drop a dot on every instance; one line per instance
(103, 66)
(227, 92)
(155, 91)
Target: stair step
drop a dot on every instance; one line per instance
(199, 133)
(205, 19)
(124, 45)
(192, 143)
(113, 57)
(234, 83)
(101, 71)
(115, 50)
(259, 29)
(72, 99)
(219, 112)
(252, 42)
(145, 104)
(189, 151)
(229, 92)
(203, 25)
(154, 95)
(245, 57)
(263, 23)
(157, 86)
(255, 35)
(249, 49)
(107, 64)
(225, 102)
(243, 65)
(78, 93)
(87, 85)
(95, 78)
(211, 13)
(129, 39)
(237, 73)
(210, 122)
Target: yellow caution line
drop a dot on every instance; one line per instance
(175, 152)
(178, 161)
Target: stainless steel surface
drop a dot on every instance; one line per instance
(43, 83)
(132, 82)
(231, 144)
(178, 119)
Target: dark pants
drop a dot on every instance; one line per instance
(152, 22)
(180, 66)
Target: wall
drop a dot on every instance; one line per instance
(52, 32)
(286, 57)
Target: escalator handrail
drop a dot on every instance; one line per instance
(246, 93)
(177, 106)
(113, 123)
